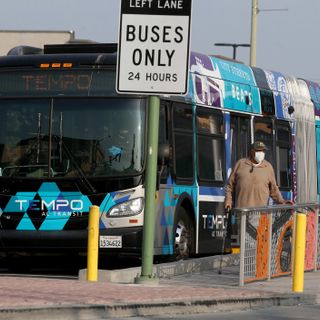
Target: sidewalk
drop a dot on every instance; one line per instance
(199, 292)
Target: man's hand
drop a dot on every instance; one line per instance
(288, 202)
(227, 207)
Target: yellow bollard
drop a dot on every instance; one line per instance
(299, 252)
(93, 242)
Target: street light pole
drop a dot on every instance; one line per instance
(253, 42)
(234, 46)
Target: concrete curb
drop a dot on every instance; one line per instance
(166, 270)
(95, 312)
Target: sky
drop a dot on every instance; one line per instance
(287, 40)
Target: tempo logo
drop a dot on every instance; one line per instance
(212, 221)
(45, 82)
(54, 205)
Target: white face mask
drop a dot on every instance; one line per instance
(259, 156)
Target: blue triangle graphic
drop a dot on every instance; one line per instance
(48, 188)
(174, 201)
(166, 238)
(167, 199)
(169, 219)
(26, 223)
(163, 221)
(51, 223)
(102, 225)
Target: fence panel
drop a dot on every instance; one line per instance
(311, 240)
(267, 240)
(282, 240)
(318, 238)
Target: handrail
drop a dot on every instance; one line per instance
(277, 207)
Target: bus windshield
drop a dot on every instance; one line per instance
(71, 137)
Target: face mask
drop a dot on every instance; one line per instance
(259, 156)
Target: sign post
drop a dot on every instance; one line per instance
(150, 193)
(153, 59)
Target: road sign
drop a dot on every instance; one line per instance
(154, 37)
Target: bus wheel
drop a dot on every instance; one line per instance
(184, 235)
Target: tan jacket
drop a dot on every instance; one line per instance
(252, 185)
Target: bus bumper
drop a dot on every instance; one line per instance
(67, 240)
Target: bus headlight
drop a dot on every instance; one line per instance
(127, 208)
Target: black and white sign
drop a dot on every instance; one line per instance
(153, 55)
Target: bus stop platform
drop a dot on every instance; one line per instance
(194, 292)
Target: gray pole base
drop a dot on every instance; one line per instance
(146, 280)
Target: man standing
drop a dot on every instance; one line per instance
(253, 181)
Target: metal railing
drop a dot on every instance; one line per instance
(267, 240)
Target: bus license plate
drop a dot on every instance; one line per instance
(110, 242)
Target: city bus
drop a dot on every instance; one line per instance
(69, 141)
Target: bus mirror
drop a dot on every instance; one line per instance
(163, 153)
(291, 110)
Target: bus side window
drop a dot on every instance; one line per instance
(240, 138)
(163, 142)
(183, 143)
(283, 145)
(263, 131)
(278, 144)
(210, 146)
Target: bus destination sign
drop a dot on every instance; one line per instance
(153, 56)
(48, 82)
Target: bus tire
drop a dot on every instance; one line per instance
(183, 235)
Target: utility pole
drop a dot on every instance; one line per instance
(253, 41)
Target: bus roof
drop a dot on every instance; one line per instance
(78, 54)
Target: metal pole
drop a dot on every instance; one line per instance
(270, 244)
(316, 252)
(150, 193)
(242, 247)
(253, 42)
(93, 244)
(299, 252)
(234, 52)
(234, 47)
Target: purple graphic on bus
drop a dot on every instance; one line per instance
(314, 90)
(206, 81)
(278, 85)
